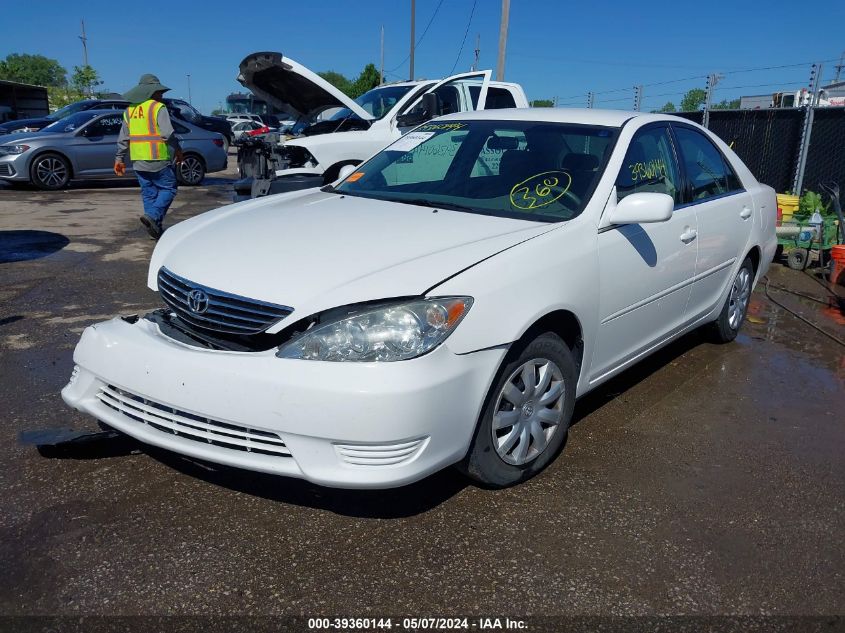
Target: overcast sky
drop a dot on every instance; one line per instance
(555, 48)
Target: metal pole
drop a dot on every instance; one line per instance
(503, 39)
(807, 132)
(189, 89)
(84, 45)
(381, 72)
(413, 12)
(638, 98)
(477, 52)
(590, 99)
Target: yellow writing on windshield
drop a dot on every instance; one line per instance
(428, 127)
(540, 190)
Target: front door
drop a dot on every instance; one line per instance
(645, 270)
(459, 93)
(95, 145)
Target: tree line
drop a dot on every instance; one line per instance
(39, 70)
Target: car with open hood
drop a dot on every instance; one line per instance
(358, 127)
(445, 303)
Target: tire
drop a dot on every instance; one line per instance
(797, 258)
(510, 454)
(191, 171)
(50, 172)
(726, 327)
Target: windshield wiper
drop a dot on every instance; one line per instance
(424, 202)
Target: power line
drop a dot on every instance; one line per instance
(433, 15)
(463, 41)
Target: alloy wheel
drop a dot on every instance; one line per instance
(51, 172)
(529, 410)
(192, 170)
(740, 294)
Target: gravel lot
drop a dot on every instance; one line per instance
(707, 480)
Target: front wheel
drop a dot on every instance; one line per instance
(526, 415)
(190, 171)
(50, 172)
(726, 327)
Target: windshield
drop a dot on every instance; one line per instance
(529, 170)
(186, 111)
(378, 102)
(61, 113)
(72, 122)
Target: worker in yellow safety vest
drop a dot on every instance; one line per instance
(148, 135)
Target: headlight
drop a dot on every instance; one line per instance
(389, 333)
(10, 150)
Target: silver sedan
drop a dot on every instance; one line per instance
(83, 145)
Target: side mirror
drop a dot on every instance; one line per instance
(430, 109)
(641, 208)
(345, 171)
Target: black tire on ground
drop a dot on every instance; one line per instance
(797, 258)
(191, 170)
(726, 327)
(50, 172)
(483, 461)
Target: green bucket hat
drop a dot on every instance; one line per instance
(147, 86)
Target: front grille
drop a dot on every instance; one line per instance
(379, 454)
(192, 426)
(7, 170)
(224, 312)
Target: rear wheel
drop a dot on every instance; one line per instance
(797, 258)
(191, 170)
(726, 327)
(526, 414)
(50, 172)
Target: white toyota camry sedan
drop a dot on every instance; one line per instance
(445, 303)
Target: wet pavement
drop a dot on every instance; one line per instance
(707, 480)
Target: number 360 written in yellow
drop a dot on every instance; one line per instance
(540, 190)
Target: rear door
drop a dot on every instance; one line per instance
(645, 270)
(724, 212)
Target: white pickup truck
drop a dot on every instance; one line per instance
(357, 128)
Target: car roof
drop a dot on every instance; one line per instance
(584, 116)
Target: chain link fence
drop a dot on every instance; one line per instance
(769, 143)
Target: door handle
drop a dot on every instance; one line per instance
(745, 213)
(689, 235)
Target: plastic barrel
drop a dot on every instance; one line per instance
(837, 253)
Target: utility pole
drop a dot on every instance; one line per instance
(591, 98)
(503, 39)
(189, 89)
(712, 80)
(555, 102)
(477, 52)
(381, 72)
(839, 66)
(638, 98)
(84, 45)
(413, 12)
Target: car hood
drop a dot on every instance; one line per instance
(291, 87)
(314, 251)
(6, 127)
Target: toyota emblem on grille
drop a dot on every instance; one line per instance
(197, 301)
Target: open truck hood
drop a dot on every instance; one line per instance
(291, 87)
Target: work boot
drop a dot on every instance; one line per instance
(153, 227)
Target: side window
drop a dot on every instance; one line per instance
(490, 157)
(439, 153)
(498, 98)
(707, 170)
(650, 166)
(107, 126)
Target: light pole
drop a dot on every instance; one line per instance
(189, 89)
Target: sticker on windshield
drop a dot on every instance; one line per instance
(540, 190)
(410, 141)
(440, 127)
(356, 176)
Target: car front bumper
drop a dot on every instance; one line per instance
(349, 425)
(14, 167)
